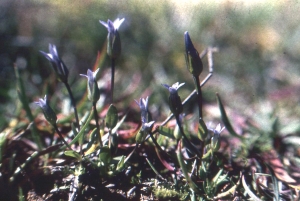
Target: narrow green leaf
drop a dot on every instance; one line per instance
(25, 103)
(114, 130)
(80, 141)
(184, 170)
(121, 164)
(202, 130)
(91, 141)
(140, 136)
(225, 119)
(111, 118)
(73, 154)
(275, 184)
(217, 176)
(154, 170)
(21, 167)
(166, 132)
(207, 155)
(81, 132)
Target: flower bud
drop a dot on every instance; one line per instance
(47, 110)
(92, 86)
(192, 58)
(114, 45)
(174, 99)
(58, 65)
(113, 37)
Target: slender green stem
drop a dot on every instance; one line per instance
(199, 100)
(153, 168)
(199, 94)
(190, 145)
(112, 79)
(97, 124)
(21, 167)
(73, 104)
(60, 135)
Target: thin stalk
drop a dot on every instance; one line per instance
(60, 135)
(199, 95)
(97, 124)
(186, 139)
(199, 100)
(184, 170)
(112, 79)
(73, 104)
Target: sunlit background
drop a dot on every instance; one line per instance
(258, 58)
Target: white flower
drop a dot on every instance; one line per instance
(42, 102)
(173, 89)
(112, 26)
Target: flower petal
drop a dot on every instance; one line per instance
(103, 23)
(118, 22)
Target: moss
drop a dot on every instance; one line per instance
(163, 193)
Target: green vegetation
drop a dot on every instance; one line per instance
(228, 129)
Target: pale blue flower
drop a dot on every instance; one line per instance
(112, 27)
(93, 90)
(47, 110)
(113, 37)
(58, 65)
(144, 109)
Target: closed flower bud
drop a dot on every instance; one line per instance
(174, 99)
(58, 65)
(193, 60)
(92, 86)
(47, 110)
(113, 37)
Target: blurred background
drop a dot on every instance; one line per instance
(258, 41)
